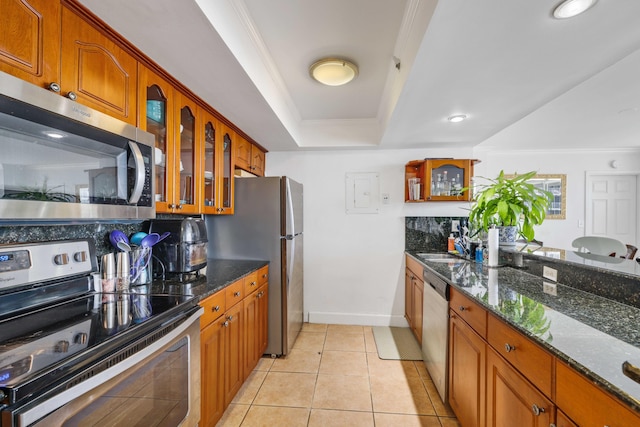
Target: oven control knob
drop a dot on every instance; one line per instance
(80, 256)
(61, 347)
(61, 259)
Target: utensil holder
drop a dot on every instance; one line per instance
(141, 270)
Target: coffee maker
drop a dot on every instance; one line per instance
(184, 251)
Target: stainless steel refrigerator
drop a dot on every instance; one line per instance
(267, 225)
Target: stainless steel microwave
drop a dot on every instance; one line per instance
(60, 160)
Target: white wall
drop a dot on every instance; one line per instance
(575, 164)
(354, 264)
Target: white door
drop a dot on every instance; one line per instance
(611, 207)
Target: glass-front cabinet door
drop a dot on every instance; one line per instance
(210, 169)
(217, 177)
(156, 117)
(227, 170)
(186, 167)
(438, 180)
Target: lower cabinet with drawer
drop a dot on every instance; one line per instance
(467, 356)
(512, 399)
(588, 405)
(500, 377)
(227, 330)
(489, 368)
(255, 327)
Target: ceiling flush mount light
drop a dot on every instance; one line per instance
(571, 8)
(333, 71)
(457, 118)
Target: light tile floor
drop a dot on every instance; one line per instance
(333, 377)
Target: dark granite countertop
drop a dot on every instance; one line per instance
(593, 334)
(219, 274)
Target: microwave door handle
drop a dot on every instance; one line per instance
(140, 173)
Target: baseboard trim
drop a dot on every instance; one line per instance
(357, 319)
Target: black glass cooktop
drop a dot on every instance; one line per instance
(47, 344)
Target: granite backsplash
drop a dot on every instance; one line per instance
(428, 233)
(11, 233)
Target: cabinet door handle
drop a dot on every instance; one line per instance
(236, 294)
(226, 324)
(463, 308)
(509, 348)
(72, 96)
(536, 410)
(216, 308)
(252, 284)
(229, 318)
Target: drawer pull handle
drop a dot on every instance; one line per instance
(54, 87)
(252, 284)
(536, 410)
(631, 371)
(509, 348)
(236, 294)
(226, 324)
(216, 308)
(229, 318)
(463, 308)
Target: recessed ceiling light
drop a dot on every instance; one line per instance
(333, 71)
(457, 118)
(571, 8)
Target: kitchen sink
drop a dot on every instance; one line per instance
(440, 257)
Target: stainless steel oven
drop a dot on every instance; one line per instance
(71, 356)
(62, 160)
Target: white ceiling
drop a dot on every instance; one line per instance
(525, 80)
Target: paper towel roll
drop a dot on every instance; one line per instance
(492, 286)
(493, 243)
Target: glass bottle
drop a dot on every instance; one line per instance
(446, 185)
(439, 187)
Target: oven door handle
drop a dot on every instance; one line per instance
(140, 173)
(34, 410)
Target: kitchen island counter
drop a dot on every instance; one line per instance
(594, 335)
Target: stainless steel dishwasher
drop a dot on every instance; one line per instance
(435, 330)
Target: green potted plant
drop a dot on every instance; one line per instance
(512, 204)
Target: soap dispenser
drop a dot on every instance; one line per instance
(451, 243)
(479, 253)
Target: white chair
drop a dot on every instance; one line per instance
(599, 245)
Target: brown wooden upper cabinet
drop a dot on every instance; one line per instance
(186, 165)
(51, 46)
(156, 115)
(61, 46)
(249, 157)
(228, 141)
(30, 40)
(96, 71)
(438, 180)
(216, 156)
